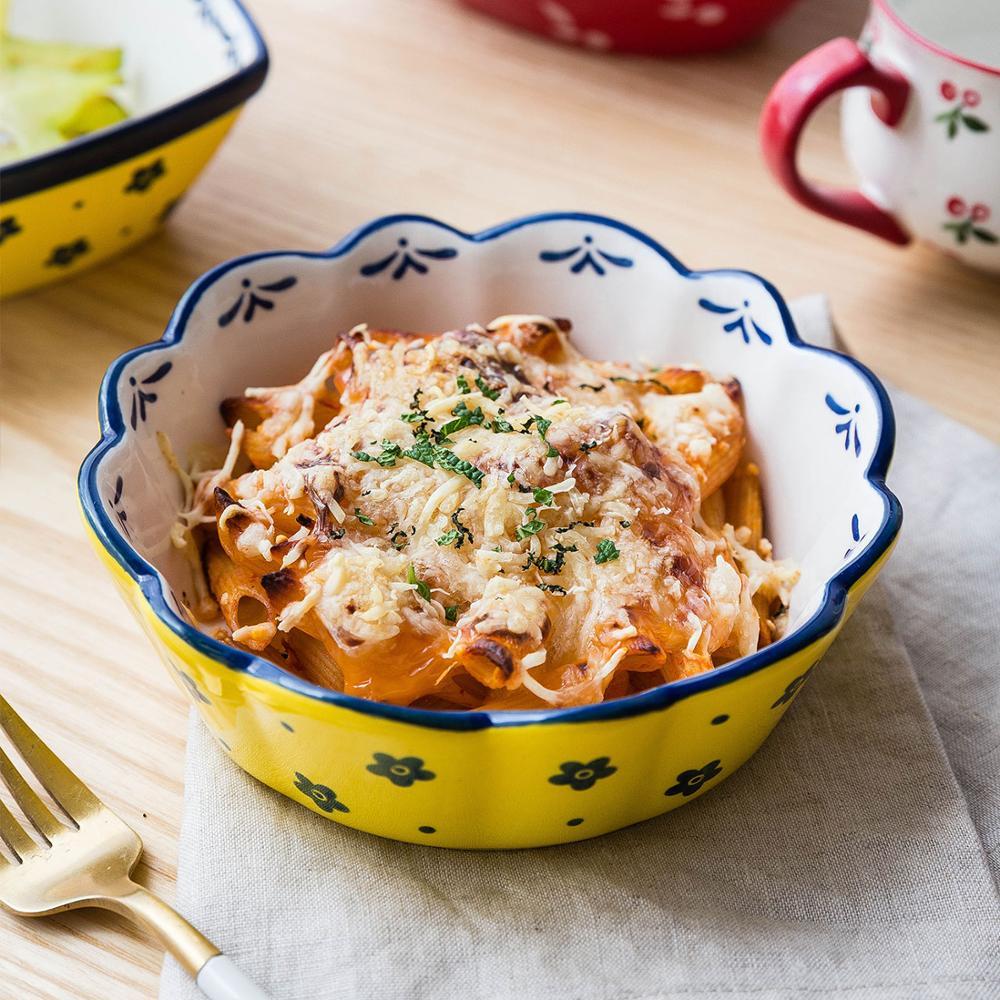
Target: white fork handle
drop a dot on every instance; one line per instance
(221, 979)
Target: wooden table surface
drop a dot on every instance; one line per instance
(372, 108)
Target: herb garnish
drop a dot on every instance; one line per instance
(551, 588)
(456, 535)
(422, 589)
(551, 565)
(588, 447)
(424, 450)
(450, 461)
(387, 459)
(463, 385)
(464, 417)
(543, 497)
(531, 526)
(485, 389)
(607, 551)
(502, 425)
(573, 524)
(398, 539)
(593, 388)
(543, 426)
(451, 613)
(363, 518)
(625, 524)
(417, 415)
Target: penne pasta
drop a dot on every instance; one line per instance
(242, 599)
(744, 503)
(713, 510)
(485, 518)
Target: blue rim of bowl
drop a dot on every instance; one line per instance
(134, 136)
(823, 620)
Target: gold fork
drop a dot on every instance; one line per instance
(88, 862)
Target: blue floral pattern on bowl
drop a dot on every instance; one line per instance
(848, 427)
(740, 318)
(586, 255)
(407, 260)
(254, 300)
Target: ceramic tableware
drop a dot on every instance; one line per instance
(920, 123)
(188, 68)
(820, 428)
(653, 27)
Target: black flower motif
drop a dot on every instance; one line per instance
(64, 254)
(253, 300)
(140, 398)
(116, 505)
(9, 226)
(688, 782)
(792, 690)
(325, 798)
(402, 771)
(143, 178)
(581, 776)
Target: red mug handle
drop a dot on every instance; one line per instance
(832, 67)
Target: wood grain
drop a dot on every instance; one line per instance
(395, 105)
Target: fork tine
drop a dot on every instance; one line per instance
(75, 798)
(27, 798)
(14, 835)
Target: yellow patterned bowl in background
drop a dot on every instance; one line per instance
(188, 69)
(820, 427)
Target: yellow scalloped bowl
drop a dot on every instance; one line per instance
(75, 206)
(495, 779)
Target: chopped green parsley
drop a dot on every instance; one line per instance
(422, 589)
(607, 551)
(485, 389)
(363, 518)
(532, 525)
(387, 458)
(543, 497)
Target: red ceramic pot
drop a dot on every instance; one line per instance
(652, 27)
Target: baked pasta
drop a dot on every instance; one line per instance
(484, 518)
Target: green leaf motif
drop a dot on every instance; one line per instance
(974, 124)
(952, 128)
(984, 235)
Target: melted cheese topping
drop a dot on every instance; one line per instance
(485, 517)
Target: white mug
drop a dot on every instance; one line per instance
(920, 125)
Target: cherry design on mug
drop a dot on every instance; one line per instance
(563, 25)
(707, 15)
(958, 117)
(967, 221)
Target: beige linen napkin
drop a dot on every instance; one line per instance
(848, 858)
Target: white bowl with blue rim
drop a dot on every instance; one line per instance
(820, 426)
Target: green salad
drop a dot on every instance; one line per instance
(51, 92)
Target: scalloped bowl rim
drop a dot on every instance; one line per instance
(824, 619)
